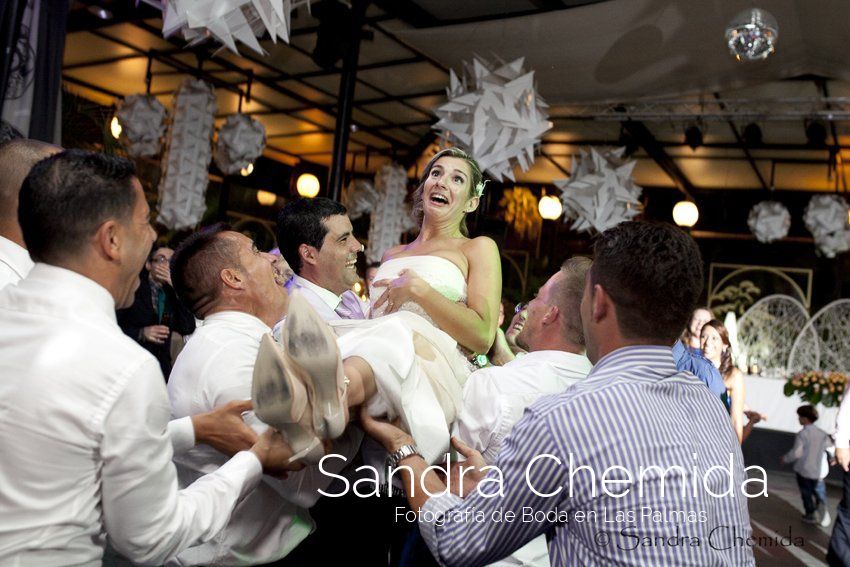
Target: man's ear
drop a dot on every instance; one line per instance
(108, 240)
(232, 278)
(308, 254)
(552, 314)
(600, 303)
(472, 204)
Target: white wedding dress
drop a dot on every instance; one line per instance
(419, 370)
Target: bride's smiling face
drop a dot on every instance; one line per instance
(448, 189)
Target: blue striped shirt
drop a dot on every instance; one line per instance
(634, 410)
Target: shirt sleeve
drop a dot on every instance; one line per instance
(467, 532)
(796, 451)
(181, 432)
(842, 422)
(479, 416)
(147, 518)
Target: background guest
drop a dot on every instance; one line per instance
(691, 336)
(810, 465)
(156, 313)
(717, 348)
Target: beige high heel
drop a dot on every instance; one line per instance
(311, 345)
(281, 400)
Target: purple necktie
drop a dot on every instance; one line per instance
(349, 307)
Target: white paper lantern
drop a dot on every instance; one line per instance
(685, 213)
(141, 120)
(826, 218)
(769, 221)
(185, 167)
(496, 113)
(241, 140)
(228, 21)
(600, 193)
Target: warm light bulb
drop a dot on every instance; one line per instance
(685, 213)
(550, 207)
(247, 170)
(266, 198)
(307, 185)
(115, 127)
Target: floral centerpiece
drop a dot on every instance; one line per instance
(816, 387)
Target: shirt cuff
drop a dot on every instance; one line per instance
(246, 467)
(431, 515)
(182, 434)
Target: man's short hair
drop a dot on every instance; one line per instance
(17, 157)
(300, 222)
(568, 296)
(808, 412)
(197, 264)
(653, 273)
(66, 197)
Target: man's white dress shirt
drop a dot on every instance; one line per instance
(215, 367)
(15, 262)
(84, 438)
(809, 452)
(324, 301)
(494, 400)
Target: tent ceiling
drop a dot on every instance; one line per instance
(597, 63)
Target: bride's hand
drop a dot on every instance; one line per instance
(406, 287)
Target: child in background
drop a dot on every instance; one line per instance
(810, 465)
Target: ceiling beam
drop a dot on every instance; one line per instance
(743, 145)
(656, 151)
(366, 67)
(408, 12)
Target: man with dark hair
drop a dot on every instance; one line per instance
(238, 292)
(635, 420)
(84, 429)
(16, 159)
(317, 240)
(156, 313)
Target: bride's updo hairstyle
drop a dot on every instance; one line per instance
(476, 183)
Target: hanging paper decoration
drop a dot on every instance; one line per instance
(390, 215)
(228, 21)
(600, 193)
(521, 212)
(142, 119)
(495, 112)
(241, 140)
(826, 219)
(182, 190)
(769, 221)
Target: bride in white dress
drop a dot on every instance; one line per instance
(438, 303)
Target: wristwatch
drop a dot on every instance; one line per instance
(394, 458)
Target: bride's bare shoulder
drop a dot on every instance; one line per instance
(480, 248)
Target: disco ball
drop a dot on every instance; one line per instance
(752, 35)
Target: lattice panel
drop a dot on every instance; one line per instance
(768, 329)
(824, 343)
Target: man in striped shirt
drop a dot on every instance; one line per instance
(636, 465)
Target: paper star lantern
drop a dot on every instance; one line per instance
(142, 119)
(826, 219)
(241, 140)
(495, 112)
(769, 221)
(228, 21)
(384, 201)
(600, 193)
(182, 190)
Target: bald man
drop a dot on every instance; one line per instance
(16, 159)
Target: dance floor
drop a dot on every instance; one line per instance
(778, 515)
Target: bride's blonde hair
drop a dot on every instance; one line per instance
(476, 184)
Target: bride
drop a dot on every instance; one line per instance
(438, 303)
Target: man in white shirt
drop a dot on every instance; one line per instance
(317, 240)
(495, 398)
(238, 292)
(84, 411)
(16, 159)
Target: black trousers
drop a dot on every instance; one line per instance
(839, 544)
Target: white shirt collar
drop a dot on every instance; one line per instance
(558, 357)
(60, 286)
(325, 295)
(16, 257)
(240, 319)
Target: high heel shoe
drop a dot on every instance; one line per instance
(311, 345)
(281, 400)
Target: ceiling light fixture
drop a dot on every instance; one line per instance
(247, 170)
(816, 133)
(752, 134)
(693, 137)
(307, 185)
(752, 35)
(549, 207)
(685, 213)
(115, 127)
(266, 198)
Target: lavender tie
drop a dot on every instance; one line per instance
(349, 307)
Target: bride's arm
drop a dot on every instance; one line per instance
(472, 325)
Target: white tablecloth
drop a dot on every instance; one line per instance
(765, 396)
